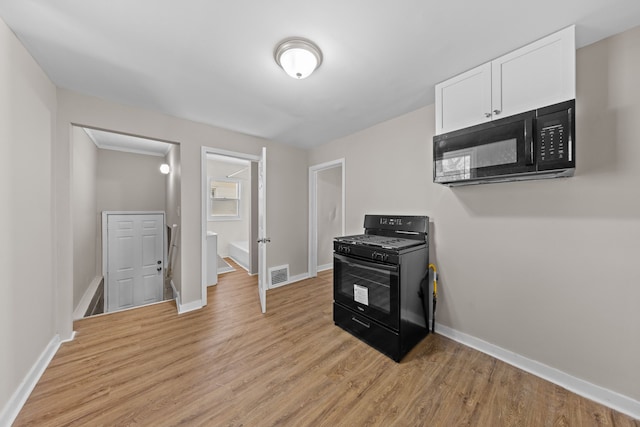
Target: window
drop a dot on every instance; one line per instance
(224, 199)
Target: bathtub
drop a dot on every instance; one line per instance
(239, 252)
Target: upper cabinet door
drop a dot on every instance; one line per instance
(464, 100)
(539, 74)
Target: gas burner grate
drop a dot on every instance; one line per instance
(379, 241)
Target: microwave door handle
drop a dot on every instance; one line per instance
(528, 142)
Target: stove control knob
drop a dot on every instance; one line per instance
(379, 256)
(344, 249)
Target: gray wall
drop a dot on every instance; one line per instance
(287, 208)
(86, 222)
(546, 269)
(27, 259)
(130, 182)
(329, 212)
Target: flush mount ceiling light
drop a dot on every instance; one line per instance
(298, 57)
(165, 168)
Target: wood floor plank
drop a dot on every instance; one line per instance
(230, 365)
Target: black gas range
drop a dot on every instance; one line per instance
(377, 282)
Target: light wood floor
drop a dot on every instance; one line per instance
(230, 365)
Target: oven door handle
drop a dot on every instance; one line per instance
(373, 265)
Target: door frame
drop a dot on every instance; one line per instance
(313, 209)
(105, 246)
(203, 197)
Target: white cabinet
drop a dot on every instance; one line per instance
(539, 74)
(464, 100)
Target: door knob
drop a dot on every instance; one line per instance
(487, 115)
(496, 112)
(159, 262)
(159, 268)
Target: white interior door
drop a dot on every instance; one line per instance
(135, 261)
(262, 230)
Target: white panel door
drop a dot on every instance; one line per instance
(121, 263)
(262, 230)
(135, 262)
(464, 100)
(152, 245)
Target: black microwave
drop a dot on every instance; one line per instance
(533, 145)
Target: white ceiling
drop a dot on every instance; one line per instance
(211, 61)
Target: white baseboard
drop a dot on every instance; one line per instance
(71, 337)
(297, 278)
(325, 267)
(184, 308)
(241, 265)
(604, 396)
(20, 396)
(83, 305)
(191, 306)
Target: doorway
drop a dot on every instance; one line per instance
(114, 172)
(326, 212)
(233, 215)
(230, 184)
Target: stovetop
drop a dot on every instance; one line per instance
(385, 242)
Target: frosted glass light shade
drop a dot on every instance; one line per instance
(298, 57)
(298, 63)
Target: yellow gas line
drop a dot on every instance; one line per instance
(435, 280)
(435, 296)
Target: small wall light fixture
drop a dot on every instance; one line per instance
(164, 168)
(298, 57)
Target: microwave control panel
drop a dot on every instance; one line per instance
(554, 135)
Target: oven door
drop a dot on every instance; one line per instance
(369, 288)
(499, 148)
